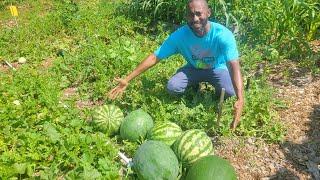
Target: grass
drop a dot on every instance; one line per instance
(45, 135)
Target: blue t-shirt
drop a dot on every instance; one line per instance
(213, 50)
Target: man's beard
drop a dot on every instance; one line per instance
(201, 30)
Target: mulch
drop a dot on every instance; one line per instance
(298, 156)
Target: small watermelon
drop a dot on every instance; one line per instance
(166, 132)
(155, 160)
(211, 167)
(108, 118)
(192, 145)
(136, 125)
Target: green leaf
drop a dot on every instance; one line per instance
(52, 133)
(20, 168)
(90, 173)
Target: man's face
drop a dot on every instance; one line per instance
(197, 17)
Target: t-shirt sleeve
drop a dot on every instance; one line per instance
(168, 48)
(228, 46)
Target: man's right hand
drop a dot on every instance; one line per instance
(119, 89)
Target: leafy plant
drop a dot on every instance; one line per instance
(46, 134)
(283, 25)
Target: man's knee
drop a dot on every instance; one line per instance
(222, 79)
(175, 88)
(230, 92)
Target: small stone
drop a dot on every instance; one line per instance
(16, 102)
(272, 168)
(250, 141)
(280, 154)
(22, 60)
(286, 150)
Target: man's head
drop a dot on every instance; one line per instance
(198, 13)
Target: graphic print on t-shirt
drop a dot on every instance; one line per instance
(214, 50)
(202, 58)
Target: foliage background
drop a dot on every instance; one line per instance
(44, 134)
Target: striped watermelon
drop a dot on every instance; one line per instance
(192, 145)
(166, 132)
(108, 118)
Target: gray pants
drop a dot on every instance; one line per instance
(188, 76)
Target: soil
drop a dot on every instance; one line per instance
(298, 156)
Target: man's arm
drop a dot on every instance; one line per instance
(147, 63)
(236, 78)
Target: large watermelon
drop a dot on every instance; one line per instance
(192, 145)
(211, 167)
(155, 160)
(136, 125)
(166, 132)
(108, 118)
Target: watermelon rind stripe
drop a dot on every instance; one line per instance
(165, 139)
(185, 139)
(182, 141)
(192, 145)
(156, 130)
(192, 156)
(108, 117)
(166, 132)
(165, 126)
(163, 136)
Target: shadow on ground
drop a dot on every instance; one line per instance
(304, 157)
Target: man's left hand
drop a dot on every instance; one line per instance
(238, 107)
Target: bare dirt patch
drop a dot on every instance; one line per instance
(4, 67)
(47, 63)
(69, 92)
(72, 92)
(88, 104)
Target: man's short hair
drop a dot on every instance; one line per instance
(205, 1)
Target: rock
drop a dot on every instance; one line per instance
(280, 154)
(272, 168)
(16, 102)
(22, 60)
(250, 141)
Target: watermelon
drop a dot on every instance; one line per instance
(108, 118)
(166, 132)
(154, 160)
(136, 125)
(211, 167)
(192, 145)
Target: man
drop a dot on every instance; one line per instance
(211, 54)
